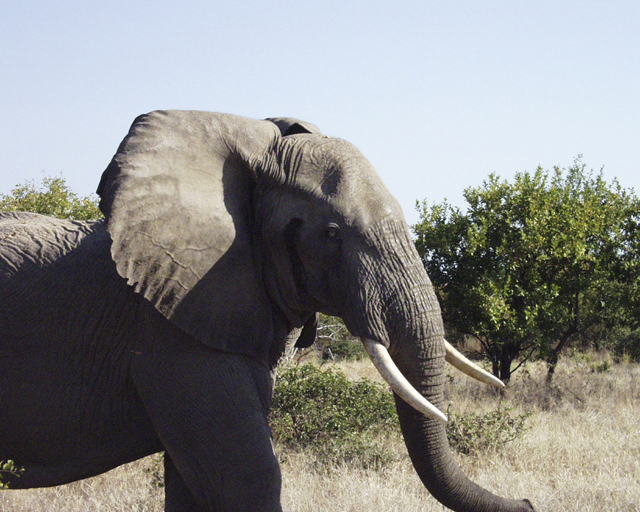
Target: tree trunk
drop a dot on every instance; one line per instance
(552, 362)
(554, 355)
(505, 365)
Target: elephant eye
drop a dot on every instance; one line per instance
(332, 231)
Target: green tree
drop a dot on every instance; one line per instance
(336, 341)
(535, 264)
(52, 197)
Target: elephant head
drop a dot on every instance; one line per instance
(239, 231)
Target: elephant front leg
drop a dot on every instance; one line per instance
(178, 497)
(209, 409)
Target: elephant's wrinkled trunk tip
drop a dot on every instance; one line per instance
(457, 360)
(400, 385)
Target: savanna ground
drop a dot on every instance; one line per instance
(581, 452)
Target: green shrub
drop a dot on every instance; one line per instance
(472, 433)
(339, 420)
(628, 347)
(343, 350)
(155, 470)
(52, 197)
(336, 342)
(602, 367)
(8, 467)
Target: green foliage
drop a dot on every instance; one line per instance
(473, 433)
(53, 197)
(347, 350)
(9, 467)
(535, 264)
(339, 420)
(336, 342)
(602, 367)
(628, 347)
(156, 470)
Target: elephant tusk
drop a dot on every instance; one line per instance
(456, 359)
(400, 385)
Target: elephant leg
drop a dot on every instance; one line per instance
(209, 409)
(178, 497)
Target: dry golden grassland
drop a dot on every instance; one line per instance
(581, 453)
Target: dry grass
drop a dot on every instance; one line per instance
(127, 488)
(581, 453)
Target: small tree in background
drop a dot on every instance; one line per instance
(52, 197)
(336, 342)
(534, 264)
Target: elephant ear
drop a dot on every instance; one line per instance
(291, 126)
(177, 202)
(308, 333)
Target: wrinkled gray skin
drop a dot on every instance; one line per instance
(158, 328)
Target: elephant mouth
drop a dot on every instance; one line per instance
(402, 387)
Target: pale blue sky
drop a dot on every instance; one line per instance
(436, 94)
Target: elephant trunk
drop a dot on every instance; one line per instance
(428, 446)
(401, 312)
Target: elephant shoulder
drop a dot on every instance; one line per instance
(31, 242)
(54, 269)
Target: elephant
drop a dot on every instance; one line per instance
(159, 328)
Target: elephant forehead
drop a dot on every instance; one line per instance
(356, 191)
(337, 171)
(363, 201)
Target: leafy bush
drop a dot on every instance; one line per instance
(155, 470)
(602, 367)
(472, 433)
(336, 342)
(628, 347)
(53, 197)
(9, 467)
(339, 420)
(343, 350)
